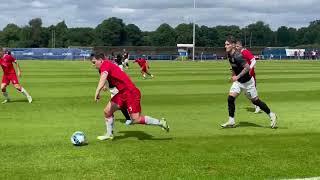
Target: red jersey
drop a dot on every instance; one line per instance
(141, 61)
(7, 64)
(116, 76)
(247, 55)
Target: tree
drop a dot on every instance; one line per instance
(283, 36)
(260, 34)
(292, 36)
(80, 37)
(164, 36)
(10, 35)
(225, 31)
(134, 35)
(25, 40)
(35, 25)
(110, 32)
(60, 30)
(312, 36)
(184, 33)
(207, 37)
(45, 37)
(146, 38)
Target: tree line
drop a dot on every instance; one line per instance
(114, 32)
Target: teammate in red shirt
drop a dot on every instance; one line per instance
(9, 75)
(128, 97)
(143, 63)
(251, 60)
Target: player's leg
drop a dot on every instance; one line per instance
(126, 115)
(22, 90)
(257, 108)
(138, 118)
(4, 91)
(235, 90)
(113, 92)
(16, 84)
(109, 120)
(143, 74)
(134, 109)
(264, 107)
(126, 61)
(252, 93)
(148, 72)
(113, 105)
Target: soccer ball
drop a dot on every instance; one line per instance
(78, 138)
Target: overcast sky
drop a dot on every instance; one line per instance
(149, 14)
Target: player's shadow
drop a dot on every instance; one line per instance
(20, 101)
(249, 124)
(122, 120)
(140, 135)
(252, 109)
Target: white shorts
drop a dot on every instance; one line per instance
(249, 88)
(126, 60)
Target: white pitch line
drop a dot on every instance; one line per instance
(312, 178)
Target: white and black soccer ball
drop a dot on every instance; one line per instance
(78, 138)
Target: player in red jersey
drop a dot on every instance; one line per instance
(143, 63)
(128, 97)
(9, 75)
(251, 60)
(112, 89)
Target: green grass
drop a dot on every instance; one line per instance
(35, 138)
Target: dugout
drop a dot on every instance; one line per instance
(184, 51)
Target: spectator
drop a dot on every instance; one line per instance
(313, 54)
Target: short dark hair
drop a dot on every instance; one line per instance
(119, 56)
(239, 42)
(99, 56)
(231, 39)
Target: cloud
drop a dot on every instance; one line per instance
(122, 10)
(38, 4)
(149, 14)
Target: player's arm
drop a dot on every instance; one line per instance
(232, 72)
(252, 66)
(101, 84)
(18, 68)
(246, 69)
(248, 55)
(253, 62)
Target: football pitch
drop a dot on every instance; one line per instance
(192, 96)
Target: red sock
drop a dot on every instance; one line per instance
(142, 120)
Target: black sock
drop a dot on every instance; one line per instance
(125, 114)
(262, 105)
(231, 106)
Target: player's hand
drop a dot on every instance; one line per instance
(234, 78)
(97, 97)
